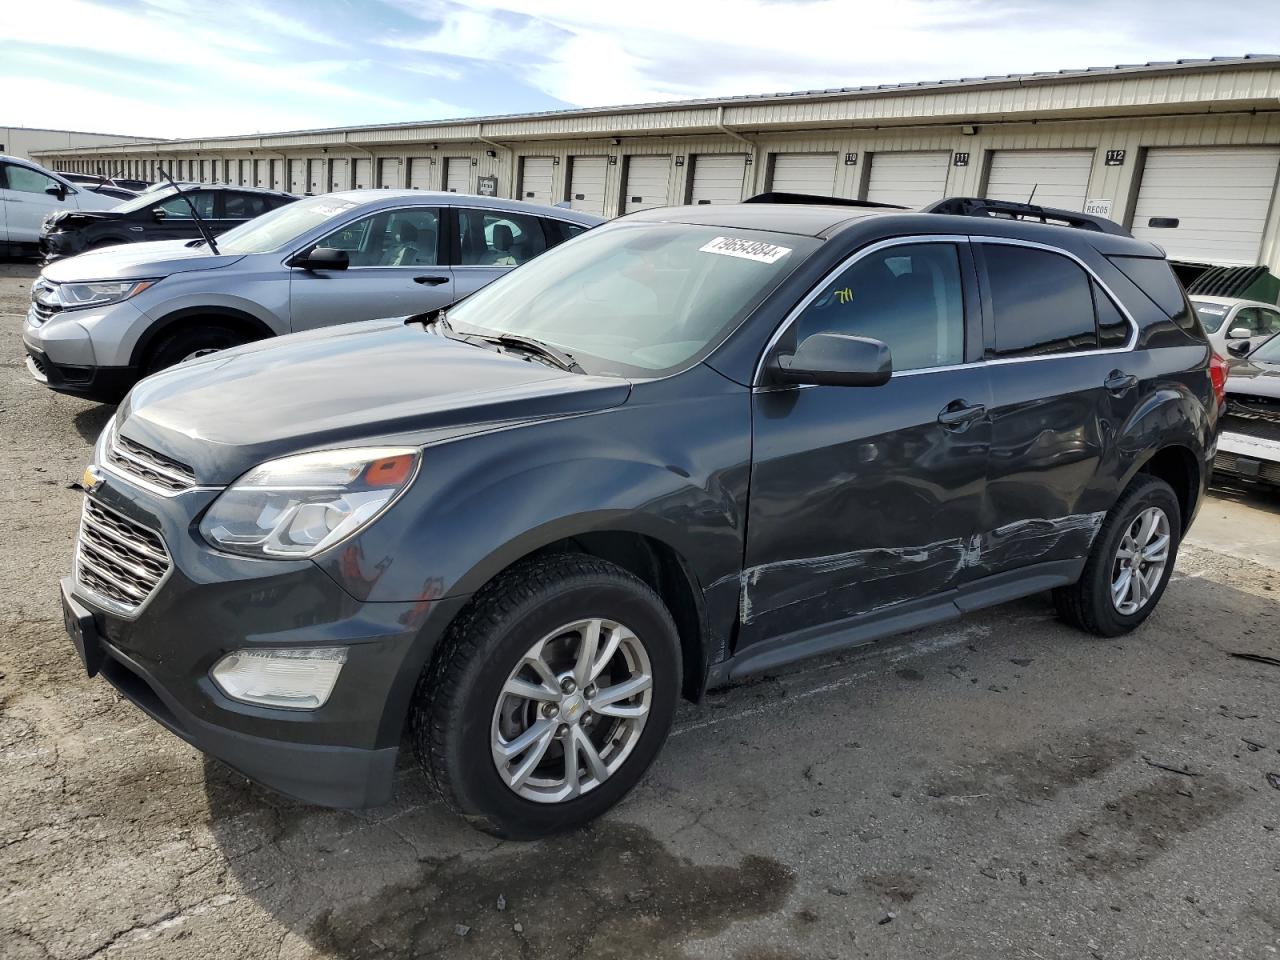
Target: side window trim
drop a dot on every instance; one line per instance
(967, 279)
(989, 316)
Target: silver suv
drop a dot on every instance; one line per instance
(102, 320)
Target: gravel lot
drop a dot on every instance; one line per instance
(997, 788)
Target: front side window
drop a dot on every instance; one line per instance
(908, 297)
(1042, 302)
(1257, 320)
(176, 208)
(392, 238)
(26, 180)
(495, 238)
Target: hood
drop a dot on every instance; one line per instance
(344, 386)
(70, 219)
(1253, 378)
(129, 261)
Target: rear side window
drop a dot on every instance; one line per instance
(1155, 278)
(243, 206)
(1043, 302)
(908, 297)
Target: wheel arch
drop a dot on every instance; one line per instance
(241, 321)
(1179, 467)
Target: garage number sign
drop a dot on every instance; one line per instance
(745, 249)
(487, 186)
(1098, 208)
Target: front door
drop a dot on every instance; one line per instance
(864, 499)
(1063, 383)
(173, 219)
(395, 271)
(27, 201)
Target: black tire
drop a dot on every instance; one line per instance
(177, 346)
(455, 700)
(1087, 604)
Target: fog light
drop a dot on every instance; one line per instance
(297, 678)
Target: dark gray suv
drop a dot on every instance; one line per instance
(685, 447)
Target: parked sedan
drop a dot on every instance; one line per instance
(1249, 445)
(163, 215)
(1229, 321)
(100, 321)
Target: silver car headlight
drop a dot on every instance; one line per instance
(295, 507)
(100, 293)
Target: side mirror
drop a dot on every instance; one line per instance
(1239, 333)
(322, 258)
(159, 213)
(1240, 349)
(57, 190)
(835, 360)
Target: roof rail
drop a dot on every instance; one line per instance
(772, 197)
(1008, 210)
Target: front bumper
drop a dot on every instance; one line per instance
(102, 384)
(210, 604)
(1252, 458)
(55, 246)
(62, 352)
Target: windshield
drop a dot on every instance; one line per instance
(1211, 314)
(274, 229)
(144, 200)
(1269, 352)
(636, 299)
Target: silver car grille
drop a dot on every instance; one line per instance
(118, 562)
(149, 467)
(44, 302)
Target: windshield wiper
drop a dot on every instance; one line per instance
(560, 358)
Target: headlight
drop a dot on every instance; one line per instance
(299, 506)
(99, 293)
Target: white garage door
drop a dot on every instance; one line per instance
(1056, 178)
(811, 173)
(317, 175)
(245, 178)
(717, 178)
(648, 180)
(340, 174)
(261, 177)
(389, 173)
(1220, 197)
(910, 178)
(586, 183)
(298, 177)
(277, 174)
(364, 173)
(536, 177)
(419, 173)
(457, 174)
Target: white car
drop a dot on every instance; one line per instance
(1230, 321)
(28, 194)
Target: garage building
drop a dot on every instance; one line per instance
(1185, 153)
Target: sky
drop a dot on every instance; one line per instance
(191, 68)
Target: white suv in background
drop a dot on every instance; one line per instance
(29, 193)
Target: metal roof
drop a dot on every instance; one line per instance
(924, 86)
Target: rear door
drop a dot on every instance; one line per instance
(396, 270)
(1063, 382)
(864, 500)
(237, 208)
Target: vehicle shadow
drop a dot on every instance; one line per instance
(704, 843)
(90, 421)
(1260, 496)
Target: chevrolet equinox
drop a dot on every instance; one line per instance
(685, 447)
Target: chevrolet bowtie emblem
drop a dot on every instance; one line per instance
(91, 479)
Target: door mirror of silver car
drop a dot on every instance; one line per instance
(57, 190)
(322, 258)
(835, 360)
(1239, 333)
(1240, 349)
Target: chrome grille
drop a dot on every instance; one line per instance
(148, 466)
(44, 302)
(118, 561)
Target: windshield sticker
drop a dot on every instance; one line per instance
(1211, 311)
(745, 249)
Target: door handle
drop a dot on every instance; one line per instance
(1118, 383)
(431, 281)
(957, 415)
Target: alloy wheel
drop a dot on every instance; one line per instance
(571, 711)
(1140, 561)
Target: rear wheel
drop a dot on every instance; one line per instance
(1130, 563)
(552, 695)
(190, 343)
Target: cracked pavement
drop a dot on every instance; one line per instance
(998, 787)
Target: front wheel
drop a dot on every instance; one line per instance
(551, 696)
(1130, 563)
(189, 344)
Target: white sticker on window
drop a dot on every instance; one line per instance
(745, 249)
